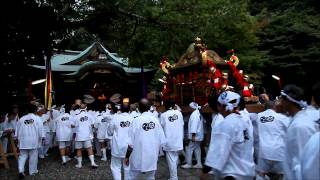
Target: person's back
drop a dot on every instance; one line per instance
(120, 127)
(29, 131)
(83, 125)
(172, 123)
(63, 126)
(146, 139)
(232, 145)
(195, 125)
(239, 162)
(272, 135)
(102, 123)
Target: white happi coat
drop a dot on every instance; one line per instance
(195, 125)
(310, 161)
(102, 123)
(63, 126)
(119, 130)
(172, 123)
(135, 114)
(146, 136)
(217, 119)
(272, 134)
(45, 118)
(314, 113)
(55, 114)
(301, 127)
(29, 132)
(232, 148)
(83, 125)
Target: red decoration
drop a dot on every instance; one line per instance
(246, 92)
(190, 78)
(230, 51)
(195, 76)
(210, 74)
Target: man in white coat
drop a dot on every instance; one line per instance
(272, 134)
(301, 127)
(232, 157)
(29, 132)
(64, 125)
(146, 137)
(195, 136)
(84, 123)
(119, 130)
(53, 114)
(172, 123)
(42, 151)
(310, 161)
(9, 126)
(217, 119)
(101, 124)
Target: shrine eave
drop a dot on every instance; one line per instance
(95, 57)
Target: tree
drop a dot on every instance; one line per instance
(144, 30)
(289, 38)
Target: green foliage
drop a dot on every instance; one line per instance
(290, 39)
(269, 36)
(146, 30)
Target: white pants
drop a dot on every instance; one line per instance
(33, 160)
(138, 175)
(43, 149)
(115, 166)
(193, 146)
(52, 139)
(172, 160)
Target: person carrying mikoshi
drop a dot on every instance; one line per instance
(84, 123)
(102, 122)
(43, 149)
(29, 132)
(233, 157)
(301, 127)
(272, 134)
(146, 137)
(172, 122)
(64, 132)
(310, 158)
(119, 130)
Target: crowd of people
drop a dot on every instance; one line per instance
(282, 142)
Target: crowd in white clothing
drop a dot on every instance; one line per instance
(281, 142)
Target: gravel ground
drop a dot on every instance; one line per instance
(51, 168)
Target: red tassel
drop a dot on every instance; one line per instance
(246, 92)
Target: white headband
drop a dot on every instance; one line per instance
(194, 105)
(301, 103)
(228, 96)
